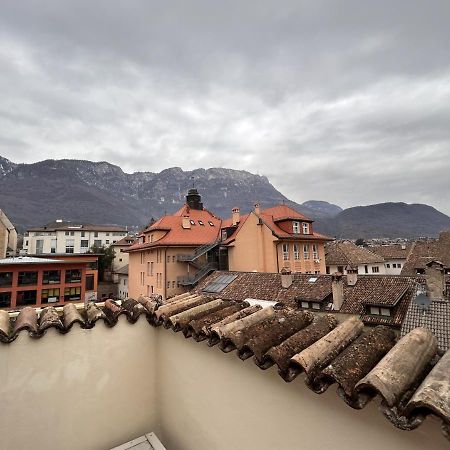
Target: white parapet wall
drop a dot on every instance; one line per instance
(96, 389)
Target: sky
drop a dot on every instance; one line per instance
(343, 101)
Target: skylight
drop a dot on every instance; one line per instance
(210, 223)
(201, 223)
(312, 279)
(219, 284)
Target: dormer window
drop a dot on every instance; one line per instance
(296, 227)
(305, 227)
(379, 311)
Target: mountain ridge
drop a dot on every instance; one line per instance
(101, 192)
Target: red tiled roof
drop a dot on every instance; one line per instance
(347, 253)
(175, 234)
(126, 241)
(284, 212)
(271, 216)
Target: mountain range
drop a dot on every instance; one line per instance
(100, 192)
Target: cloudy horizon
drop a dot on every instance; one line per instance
(348, 102)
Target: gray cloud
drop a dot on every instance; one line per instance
(343, 101)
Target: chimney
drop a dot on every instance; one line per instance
(257, 208)
(352, 275)
(435, 279)
(286, 278)
(186, 223)
(235, 215)
(337, 288)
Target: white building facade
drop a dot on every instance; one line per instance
(66, 237)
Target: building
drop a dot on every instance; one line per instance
(272, 239)
(381, 300)
(175, 252)
(83, 367)
(122, 282)
(345, 254)
(394, 256)
(26, 281)
(8, 236)
(70, 237)
(120, 254)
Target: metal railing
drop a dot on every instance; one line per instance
(199, 251)
(189, 280)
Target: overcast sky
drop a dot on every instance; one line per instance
(344, 101)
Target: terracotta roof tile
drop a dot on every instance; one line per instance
(408, 375)
(391, 251)
(347, 253)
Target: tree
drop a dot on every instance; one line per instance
(360, 242)
(105, 259)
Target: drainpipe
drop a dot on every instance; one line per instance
(165, 274)
(276, 251)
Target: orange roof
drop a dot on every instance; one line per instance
(284, 212)
(204, 228)
(271, 216)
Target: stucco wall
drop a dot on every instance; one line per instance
(88, 389)
(94, 389)
(211, 400)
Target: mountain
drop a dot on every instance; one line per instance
(386, 220)
(99, 192)
(322, 209)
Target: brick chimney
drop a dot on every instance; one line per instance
(435, 279)
(352, 275)
(337, 288)
(286, 278)
(186, 223)
(257, 208)
(235, 215)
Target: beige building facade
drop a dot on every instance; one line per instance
(8, 236)
(272, 240)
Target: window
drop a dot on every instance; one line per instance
(27, 278)
(366, 269)
(98, 242)
(210, 223)
(90, 282)
(316, 305)
(296, 227)
(107, 234)
(296, 251)
(173, 258)
(306, 251)
(192, 222)
(219, 283)
(286, 252)
(72, 294)
(379, 311)
(83, 234)
(72, 233)
(66, 233)
(107, 241)
(53, 246)
(50, 295)
(95, 233)
(315, 252)
(201, 223)
(84, 245)
(168, 259)
(399, 265)
(26, 242)
(6, 279)
(375, 269)
(305, 227)
(388, 266)
(73, 276)
(70, 245)
(40, 246)
(151, 269)
(25, 298)
(168, 284)
(5, 299)
(173, 284)
(51, 277)
(305, 304)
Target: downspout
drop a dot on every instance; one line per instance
(165, 274)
